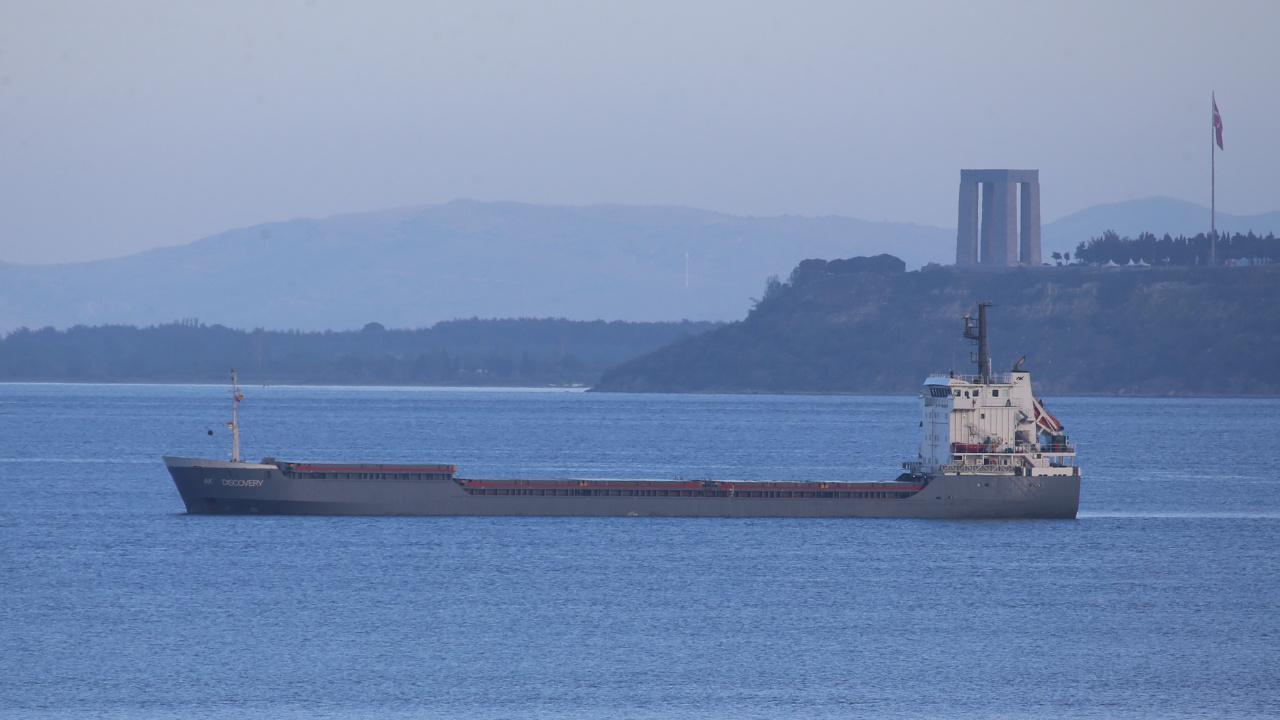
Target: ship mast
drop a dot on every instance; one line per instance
(236, 397)
(979, 335)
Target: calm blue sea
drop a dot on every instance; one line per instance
(1161, 601)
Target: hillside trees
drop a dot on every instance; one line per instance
(1180, 251)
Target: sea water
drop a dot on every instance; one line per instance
(1161, 600)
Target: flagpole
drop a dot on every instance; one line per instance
(1213, 187)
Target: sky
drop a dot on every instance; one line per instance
(131, 125)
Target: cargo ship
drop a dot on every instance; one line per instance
(988, 449)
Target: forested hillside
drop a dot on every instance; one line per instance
(1238, 248)
(459, 352)
(1167, 331)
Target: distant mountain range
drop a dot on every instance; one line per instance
(413, 267)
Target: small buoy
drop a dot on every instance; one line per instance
(210, 432)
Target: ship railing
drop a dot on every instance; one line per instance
(1050, 461)
(980, 469)
(997, 450)
(997, 378)
(1003, 449)
(1022, 457)
(912, 467)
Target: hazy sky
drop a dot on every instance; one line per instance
(125, 126)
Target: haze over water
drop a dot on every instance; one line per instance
(1159, 601)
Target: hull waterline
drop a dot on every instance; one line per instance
(218, 487)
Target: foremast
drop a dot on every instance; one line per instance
(236, 397)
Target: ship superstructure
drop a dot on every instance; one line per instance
(989, 423)
(989, 449)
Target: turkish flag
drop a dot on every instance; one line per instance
(1217, 124)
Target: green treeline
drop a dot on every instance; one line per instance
(1180, 251)
(1084, 330)
(529, 352)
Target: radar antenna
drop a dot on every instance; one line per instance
(978, 334)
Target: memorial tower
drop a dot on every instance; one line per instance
(1004, 236)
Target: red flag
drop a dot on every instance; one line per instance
(1217, 124)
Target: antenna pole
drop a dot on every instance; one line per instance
(235, 424)
(984, 354)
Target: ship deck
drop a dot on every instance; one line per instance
(697, 488)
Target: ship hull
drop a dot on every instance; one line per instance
(219, 487)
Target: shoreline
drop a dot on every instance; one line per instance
(587, 389)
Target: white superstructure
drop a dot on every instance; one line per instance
(989, 423)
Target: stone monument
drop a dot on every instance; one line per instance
(1005, 236)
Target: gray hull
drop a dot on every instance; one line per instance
(219, 487)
